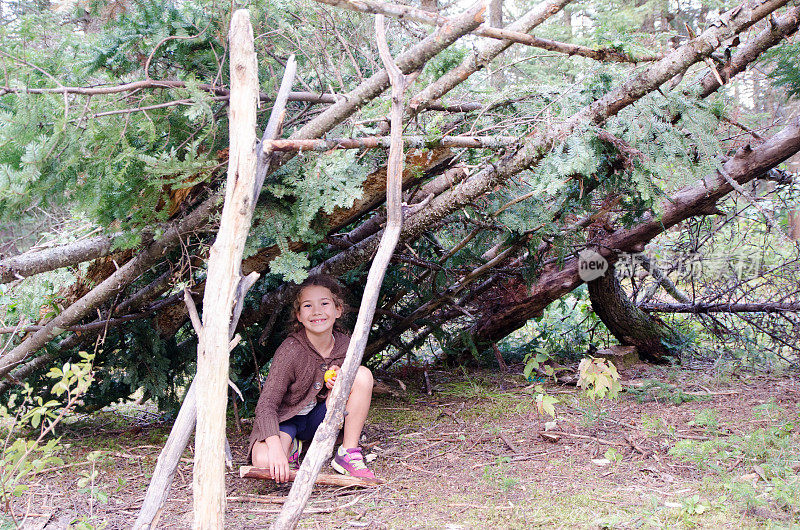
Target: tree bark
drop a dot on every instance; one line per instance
(630, 325)
(324, 439)
(697, 199)
(108, 287)
(31, 263)
(224, 273)
(703, 307)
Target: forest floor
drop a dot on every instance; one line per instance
(681, 447)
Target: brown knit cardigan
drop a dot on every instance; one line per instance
(295, 378)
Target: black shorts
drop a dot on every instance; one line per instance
(303, 427)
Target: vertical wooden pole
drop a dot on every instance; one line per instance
(325, 437)
(223, 279)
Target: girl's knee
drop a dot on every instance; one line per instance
(259, 455)
(364, 377)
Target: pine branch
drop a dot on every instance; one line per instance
(503, 34)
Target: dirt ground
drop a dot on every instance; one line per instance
(681, 447)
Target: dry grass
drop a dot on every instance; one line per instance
(470, 456)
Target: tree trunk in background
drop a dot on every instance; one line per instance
(630, 325)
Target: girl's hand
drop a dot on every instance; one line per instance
(277, 463)
(331, 379)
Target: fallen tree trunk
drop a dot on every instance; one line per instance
(698, 199)
(629, 324)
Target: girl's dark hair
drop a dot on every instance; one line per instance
(321, 280)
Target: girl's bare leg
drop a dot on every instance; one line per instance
(260, 450)
(357, 407)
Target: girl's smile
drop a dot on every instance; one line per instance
(318, 311)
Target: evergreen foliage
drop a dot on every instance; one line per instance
(786, 67)
(104, 160)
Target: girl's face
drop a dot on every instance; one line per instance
(318, 310)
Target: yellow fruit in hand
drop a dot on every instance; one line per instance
(329, 375)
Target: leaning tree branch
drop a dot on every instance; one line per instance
(410, 60)
(36, 262)
(703, 308)
(222, 93)
(373, 142)
(694, 200)
(324, 439)
(506, 34)
(750, 50)
(109, 287)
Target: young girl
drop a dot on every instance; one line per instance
(293, 403)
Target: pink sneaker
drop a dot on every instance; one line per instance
(294, 454)
(351, 462)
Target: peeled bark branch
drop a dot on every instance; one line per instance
(324, 439)
(224, 273)
(702, 308)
